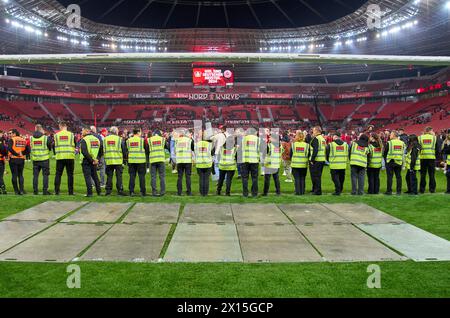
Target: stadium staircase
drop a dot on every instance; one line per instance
(107, 113)
(46, 110)
(75, 116)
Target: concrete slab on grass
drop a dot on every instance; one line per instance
(275, 243)
(345, 243)
(360, 213)
(99, 212)
(14, 232)
(411, 241)
(60, 243)
(310, 214)
(204, 243)
(207, 213)
(258, 214)
(47, 212)
(153, 213)
(129, 243)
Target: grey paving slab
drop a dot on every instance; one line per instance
(47, 212)
(275, 243)
(360, 213)
(411, 241)
(153, 213)
(60, 243)
(207, 213)
(345, 243)
(129, 243)
(204, 243)
(12, 232)
(258, 214)
(310, 214)
(99, 212)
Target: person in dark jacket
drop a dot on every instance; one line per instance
(18, 150)
(89, 163)
(446, 152)
(336, 154)
(375, 164)
(39, 144)
(359, 160)
(3, 156)
(412, 164)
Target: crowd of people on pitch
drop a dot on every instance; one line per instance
(220, 154)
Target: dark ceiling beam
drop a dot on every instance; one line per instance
(226, 14)
(197, 20)
(283, 13)
(254, 14)
(342, 3)
(112, 8)
(149, 2)
(170, 13)
(313, 10)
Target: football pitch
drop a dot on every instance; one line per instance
(429, 212)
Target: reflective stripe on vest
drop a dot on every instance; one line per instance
(273, 159)
(322, 145)
(227, 160)
(376, 157)
(300, 155)
(64, 145)
(396, 151)
(183, 150)
(428, 144)
(157, 153)
(136, 150)
(408, 162)
(203, 158)
(112, 147)
(338, 156)
(19, 145)
(92, 145)
(250, 149)
(39, 150)
(358, 155)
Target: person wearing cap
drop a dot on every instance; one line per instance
(91, 150)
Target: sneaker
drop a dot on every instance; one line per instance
(288, 181)
(284, 174)
(47, 193)
(174, 171)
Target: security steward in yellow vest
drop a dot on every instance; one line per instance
(137, 150)
(40, 145)
(64, 149)
(113, 154)
(204, 163)
(412, 164)
(157, 159)
(18, 149)
(272, 163)
(359, 159)
(3, 157)
(317, 160)
(375, 164)
(446, 152)
(299, 162)
(428, 153)
(227, 165)
(91, 150)
(337, 156)
(393, 155)
(184, 146)
(250, 161)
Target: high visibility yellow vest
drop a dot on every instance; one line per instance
(300, 152)
(93, 146)
(250, 149)
(376, 157)
(136, 150)
(203, 158)
(396, 151)
(408, 162)
(157, 153)
(322, 146)
(112, 147)
(183, 150)
(338, 156)
(227, 160)
(39, 150)
(358, 155)
(64, 145)
(428, 144)
(273, 158)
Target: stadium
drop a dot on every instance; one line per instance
(176, 93)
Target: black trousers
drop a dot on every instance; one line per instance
(299, 180)
(248, 169)
(427, 166)
(227, 176)
(411, 181)
(184, 168)
(90, 174)
(140, 169)
(276, 179)
(338, 177)
(2, 172)
(39, 166)
(109, 170)
(316, 170)
(203, 180)
(391, 169)
(17, 166)
(448, 179)
(69, 165)
(373, 176)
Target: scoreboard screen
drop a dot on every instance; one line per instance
(212, 77)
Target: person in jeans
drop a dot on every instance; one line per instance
(157, 159)
(227, 165)
(359, 158)
(412, 164)
(375, 164)
(337, 156)
(393, 155)
(184, 146)
(286, 146)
